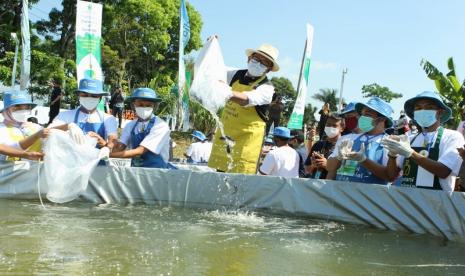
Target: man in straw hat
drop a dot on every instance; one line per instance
(430, 158)
(244, 117)
(361, 157)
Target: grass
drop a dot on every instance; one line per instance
(183, 140)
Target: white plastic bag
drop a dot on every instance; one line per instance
(68, 165)
(209, 70)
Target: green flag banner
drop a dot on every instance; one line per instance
(297, 116)
(88, 39)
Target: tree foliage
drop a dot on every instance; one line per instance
(10, 22)
(283, 86)
(286, 90)
(449, 87)
(140, 45)
(328, 95)
(383, 92)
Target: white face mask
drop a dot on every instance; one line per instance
(255, 68)
(144, 112)
(89, 103)
(20, 116)
(331, 131)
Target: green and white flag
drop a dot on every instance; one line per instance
(184, 36)
(88, 39)
(297, 116)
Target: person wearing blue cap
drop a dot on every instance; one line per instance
(15, 130)
(87, 119)
(200, 150)
(145, 139)
(350, 116)
(430, 158)
(361, 157)
(268, 145)
(283, 160)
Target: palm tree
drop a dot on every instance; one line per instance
(449, 88)
(328, 95)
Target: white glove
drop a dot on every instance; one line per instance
(76, 134)
(104, 153)
(344, 148)
(401, 147)
(358, 156)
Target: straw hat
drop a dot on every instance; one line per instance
(267, 51)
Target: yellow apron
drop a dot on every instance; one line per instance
(26, 132)
(245, 127)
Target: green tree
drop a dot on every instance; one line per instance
(309, 115)
(286, 90)
(449, 87)
(140, 39)
(376, 90)
(10, 22)
(327, 95)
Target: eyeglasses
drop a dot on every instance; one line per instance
(85, 95)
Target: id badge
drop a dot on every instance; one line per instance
(348, 168)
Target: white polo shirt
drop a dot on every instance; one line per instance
(156, 141)
(67, 117)
(200, 152)
(282, 161)
(448, 155)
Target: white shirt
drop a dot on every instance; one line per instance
(460, 128)
(262, 95)
(157, 141)
(282, 161)
(448, 154)
(200, 152)
(67, 117)
(6, 139)
(375, 139)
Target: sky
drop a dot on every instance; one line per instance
(377, 41)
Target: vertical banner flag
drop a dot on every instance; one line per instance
(297, 116)
(183, 96)
(88, 38)
(26, 51)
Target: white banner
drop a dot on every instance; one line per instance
(297, 116)
(88, 39)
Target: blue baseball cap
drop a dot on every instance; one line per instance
(91, 86)
(17, 97)
(283, 132)
(410, 103)
(199, 135)
(269, 140)
(145, 93)
(349, 108)
(379, 106)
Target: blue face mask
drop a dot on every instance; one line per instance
(365, 124)
(425, 118)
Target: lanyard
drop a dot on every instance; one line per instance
(369, 139)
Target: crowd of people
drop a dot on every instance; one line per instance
(360, 144)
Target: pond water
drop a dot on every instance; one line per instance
(81, 238)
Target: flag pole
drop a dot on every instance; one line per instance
(302, 67)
